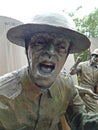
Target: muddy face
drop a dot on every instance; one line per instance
(94, 59)
(47, 54)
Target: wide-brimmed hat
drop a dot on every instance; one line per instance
(50, 23)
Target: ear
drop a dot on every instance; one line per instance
(28, 53)
(26, 47)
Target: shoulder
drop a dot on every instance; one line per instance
(66, 84)
(84, 63)
(10, 85)
(66, 79)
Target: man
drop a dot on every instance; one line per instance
(88, 73)
(37, 96)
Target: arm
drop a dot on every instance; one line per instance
(77, 116)
(74, 69)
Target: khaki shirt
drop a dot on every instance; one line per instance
(24, 106)
(88, 74)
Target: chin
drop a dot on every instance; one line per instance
(44, 81)
(45, 74)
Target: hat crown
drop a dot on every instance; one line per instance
(95, 52)
(54, 19)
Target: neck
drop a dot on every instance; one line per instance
(31, 78)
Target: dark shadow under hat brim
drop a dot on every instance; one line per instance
(79, 42)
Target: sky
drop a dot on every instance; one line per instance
(24, 10)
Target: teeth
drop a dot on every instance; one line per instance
(46, 68)
(47, 63)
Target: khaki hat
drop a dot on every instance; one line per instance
(50, 23)
(95, 52)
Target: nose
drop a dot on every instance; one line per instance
(50, 49)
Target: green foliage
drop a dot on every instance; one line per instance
(88, 25)
(85, 55)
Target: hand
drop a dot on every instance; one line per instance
(79, 58)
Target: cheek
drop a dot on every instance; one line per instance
(33, 56)
(62, 61)
(33, 60)
(97, 59)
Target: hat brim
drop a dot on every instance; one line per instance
(79, 42)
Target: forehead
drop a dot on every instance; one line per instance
(49, 36)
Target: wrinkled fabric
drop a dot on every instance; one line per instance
(25, 106)
(88, 74)
(88, 77)
(91, 104)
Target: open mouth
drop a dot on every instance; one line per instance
(46, 68)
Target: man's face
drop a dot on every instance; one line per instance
(94, 59)
(47, 54)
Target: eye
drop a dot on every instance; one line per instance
(61, 48)
(38, 44)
